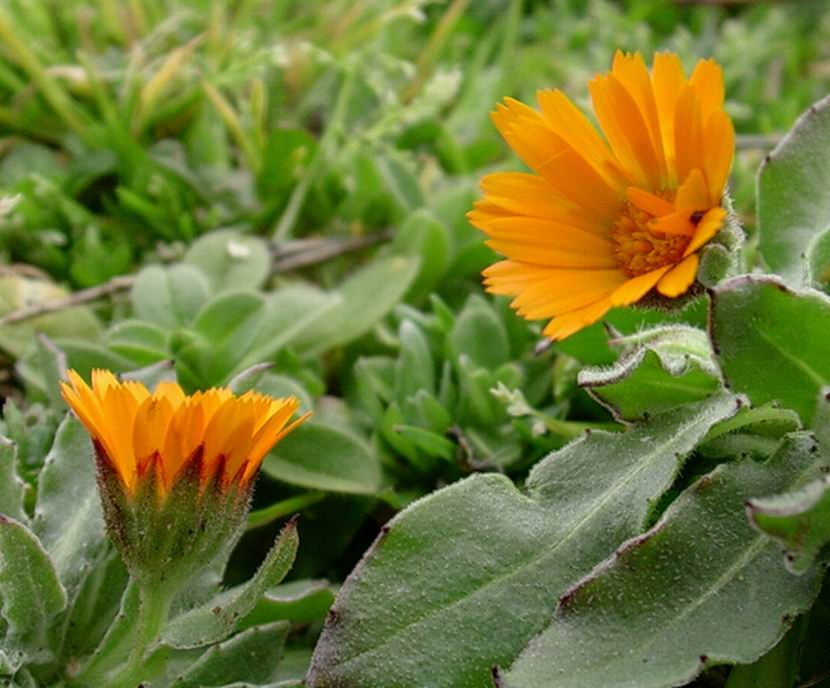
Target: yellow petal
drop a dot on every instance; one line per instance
(678, 280)
(707, 80)
(626, 130)
(707, 228)
(637, 287)
(633, 75)
(720, 149)
(567, 324)
(678, 222)
(693, 193)
(667, 80)
(649, 202)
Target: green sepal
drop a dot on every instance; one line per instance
(166, 539)
(217, 619)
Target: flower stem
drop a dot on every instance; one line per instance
(152, 615)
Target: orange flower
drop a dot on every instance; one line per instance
(137, 432)
(604, 221)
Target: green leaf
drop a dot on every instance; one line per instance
(230, 260)
(169, 296)
(324, 457)
(818, 260)
(30, 591)
(414, 368)
(422, 236)
(778, 668)
(289, 312)
(95, 605)
(763, 346)
(12, 488)
(794, 194)
(223, 332)
(799, 520)
(300, 601)
(251, 656)
(68, 518)
(140, 341)
(683, 596)
(216, 620)
(672, 369)
(479, 555)
(115, 646)
(367, 296)
(479, 334)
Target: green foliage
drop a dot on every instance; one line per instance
(777, 341)
(793, 199)
(481, 555)
(69, 614)
(271, 195)
(700, 557)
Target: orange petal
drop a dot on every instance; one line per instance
(518, 193)
(637, 287)
(707, 228)
(667, 79)
(719, 135)
(707, 80)
(564, 118)
(634, 76)
(649, 202)
(678, 280)
(693, 193)
(688, 132)
(626, 130)
(551, 157)
(678, 222)
(562, 291)
(565, 325)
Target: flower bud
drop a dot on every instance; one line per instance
(175, 471)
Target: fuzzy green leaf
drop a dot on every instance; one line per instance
(251, 656)
(169, 297)
(300, 601)
(288, 313)
(68, 518)
(12, 488)
(799, 520)
(230, 261)
(216, 620)
(674, 367)
(759, 325)
(223, 331)
(367, 296)
(461, 580)
(683, 596)
(324, 457)
(30, 592)
(794, 194)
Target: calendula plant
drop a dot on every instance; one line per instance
(271, 196)
(174, 475)
(692, 539)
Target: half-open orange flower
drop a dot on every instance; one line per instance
(137, 432)
(603, 221)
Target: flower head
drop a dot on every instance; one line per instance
(175, 471)
(139, 433)
(604, 221)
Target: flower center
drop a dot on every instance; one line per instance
(639, 249)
